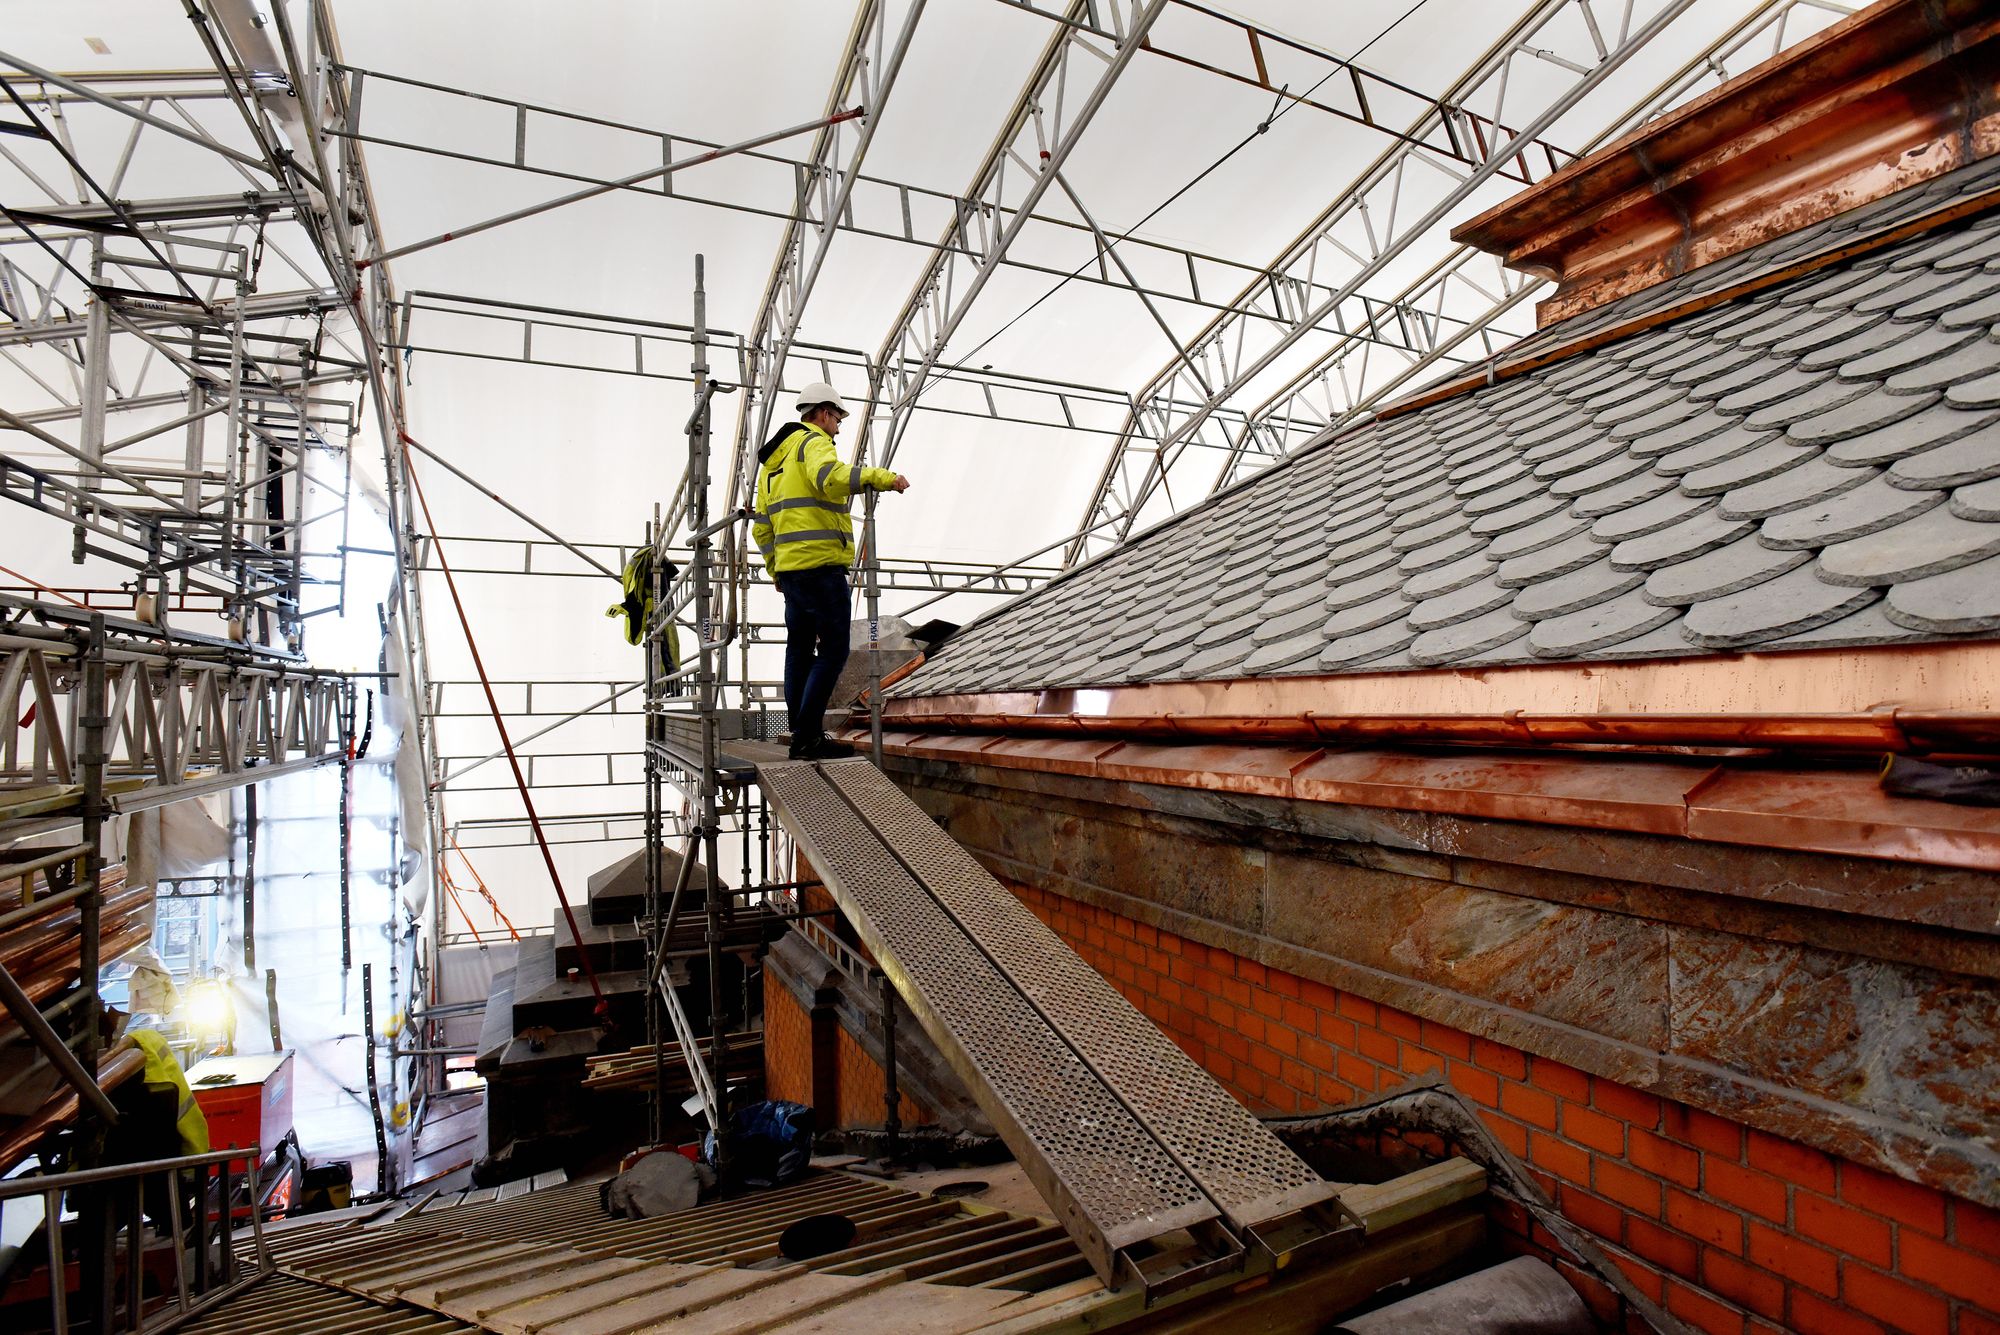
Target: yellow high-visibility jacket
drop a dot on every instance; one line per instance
(163, 1068)
(803, 494)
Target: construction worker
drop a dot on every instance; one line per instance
(802, 526)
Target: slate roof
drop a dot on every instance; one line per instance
(1813, 465)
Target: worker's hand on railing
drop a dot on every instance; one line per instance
(900, 484)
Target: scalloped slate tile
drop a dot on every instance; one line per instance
(1444, 550)
(1463, 639)
(1270, 629)
(1937, 424)
(1740, 565)
(1824, 397)
(1534, 537)
(1869, 508)
(1953, 294)
(1973, 457)
(1601, 474)
(1683, 541)
(1354, 650)
(1814, 480)
(1212, 661)
(1492, 474)
(1619, 496)
(1771, 382)
(1588, 586)
(1979, 500)
(1973, 360)
(1367, 563)
(1572, 553)
(1899, 295)
(1380, 610)
(1981, 393)
(1352, 591)
(1974, 316)
(1445, 578)
(1767, 460)
(1959, 601)
(1868, 627)
(1523, 487)
(1438, 530)
(1822, 330)
(1714, 450)
(1638, 407)
(1697, 428)
(1783, 334)
(1598, 627)
(1903, 348)
(1660, 419)
(1930, 544)
(1461, 604)
(1518, 515)
(1866, 412)
(1736, 371)
(1433, 509)
(1795, 601)
(1305, 593)
(1662, 511)
(1739, 364)
(1296, 652)
(1577, 458)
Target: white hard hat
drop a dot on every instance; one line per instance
(819, 394)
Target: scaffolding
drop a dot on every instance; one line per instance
(250, 332)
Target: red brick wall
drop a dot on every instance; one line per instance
(862, 1090)
(1732, 1230)
(788, 1055)
(788, 1067)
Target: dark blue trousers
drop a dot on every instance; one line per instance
(816, 629)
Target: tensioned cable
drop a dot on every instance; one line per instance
(603, 1007)
(1285, 103)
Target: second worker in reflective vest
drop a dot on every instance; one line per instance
(803, 527)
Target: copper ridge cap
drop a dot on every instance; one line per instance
(1897, 94)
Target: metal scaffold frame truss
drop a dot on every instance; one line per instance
(204, 366)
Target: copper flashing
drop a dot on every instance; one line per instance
(1724, 801)
(1899, 93)
(1906, 698)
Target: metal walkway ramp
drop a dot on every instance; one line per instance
(1129, 1141)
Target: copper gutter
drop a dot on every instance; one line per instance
(1897, 94)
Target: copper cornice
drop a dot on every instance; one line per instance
(1897, 94)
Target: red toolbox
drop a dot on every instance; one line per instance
(247, 1100)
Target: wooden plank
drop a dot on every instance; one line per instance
(910, 1309)
(1302, 1300)
(798, 1297)
(922, 1244)
(655, 1309)
(1381, 1205)
(1012, 1261)
(581, 1288)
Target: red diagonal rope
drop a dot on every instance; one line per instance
(506, 742)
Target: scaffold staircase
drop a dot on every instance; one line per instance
(1159, 1175)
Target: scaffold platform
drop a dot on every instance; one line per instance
(1154, 1169)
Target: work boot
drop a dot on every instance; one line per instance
(825, 748)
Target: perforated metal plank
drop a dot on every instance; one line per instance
(1110, 1182)
(1234, 1158)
